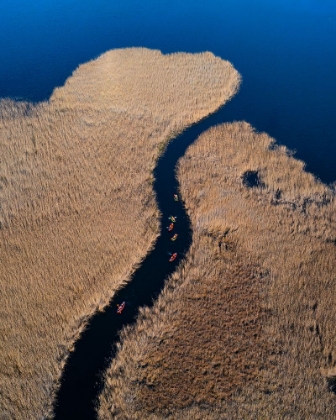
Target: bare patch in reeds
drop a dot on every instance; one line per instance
(78, 212)
(245, 328)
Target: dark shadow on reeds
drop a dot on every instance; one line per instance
(252, 179)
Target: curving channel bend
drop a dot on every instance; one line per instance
(83, 375)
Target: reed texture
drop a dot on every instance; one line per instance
(78, 211)
(244, 329)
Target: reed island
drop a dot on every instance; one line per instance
(245, 328)
(77, 208)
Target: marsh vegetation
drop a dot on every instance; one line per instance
(78, 212)
(244, 328)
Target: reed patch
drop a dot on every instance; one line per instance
(245, 327)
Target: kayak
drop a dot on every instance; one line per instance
(175, 197)
(170, 227)
(173, 257)
(120, 307)
(172, 219)
(174, 237)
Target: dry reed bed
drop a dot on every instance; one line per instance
(244, 330)
(78, 212)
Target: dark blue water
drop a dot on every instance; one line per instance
(285, 51)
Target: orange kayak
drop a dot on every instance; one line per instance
(173, 257)
(174, 237)
(170, 227)
(121, 307)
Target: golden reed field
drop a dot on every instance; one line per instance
(245, 328)
(78, 212)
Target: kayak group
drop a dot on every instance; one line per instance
(170, 228)
(121, 306)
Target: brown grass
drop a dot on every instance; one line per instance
(245, 331)
(78, 211)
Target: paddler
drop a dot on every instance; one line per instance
(120, 307)
(173, 257)
(170, 227)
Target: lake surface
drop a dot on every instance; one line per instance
(285, 51)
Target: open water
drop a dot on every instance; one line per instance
(284, 49)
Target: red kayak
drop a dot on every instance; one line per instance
(173, 257)
(170, 227)
(121, 307)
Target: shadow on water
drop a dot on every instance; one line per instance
(82, 378)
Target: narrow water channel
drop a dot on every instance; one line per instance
(82, 378)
